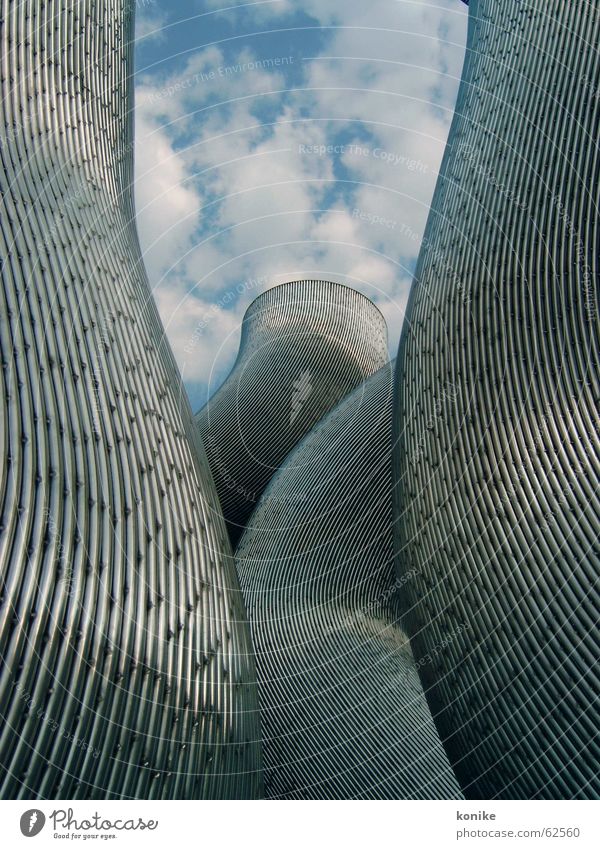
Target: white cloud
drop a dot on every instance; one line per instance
(225, 197)
(203, 335)
(167, 206)
(149, 22)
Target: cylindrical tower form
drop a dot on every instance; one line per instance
(343, 712)
(127, 669)
(304, 346)
(497, 417)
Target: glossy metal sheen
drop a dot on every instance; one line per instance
(304, 346)
(343, 712)
(498, 458)
(126, 666)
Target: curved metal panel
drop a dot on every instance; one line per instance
(343, 712)
(498, 459)
(127, 667)
(304, 346)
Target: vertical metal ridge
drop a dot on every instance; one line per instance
(497, 454)
(304, 346)
(128, 667)
(343, 712)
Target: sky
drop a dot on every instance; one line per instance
(279, 140)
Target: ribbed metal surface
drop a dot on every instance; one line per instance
(342, 708)
(498, 459)
(127, 670)
(304, 346)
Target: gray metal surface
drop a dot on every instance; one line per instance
(343, 712)
(497, 417)
(126, 663)
(304, 346)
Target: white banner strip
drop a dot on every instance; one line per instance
(278, 825)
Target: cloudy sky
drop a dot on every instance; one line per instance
(278, 140)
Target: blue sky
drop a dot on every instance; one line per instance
(278, 140)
